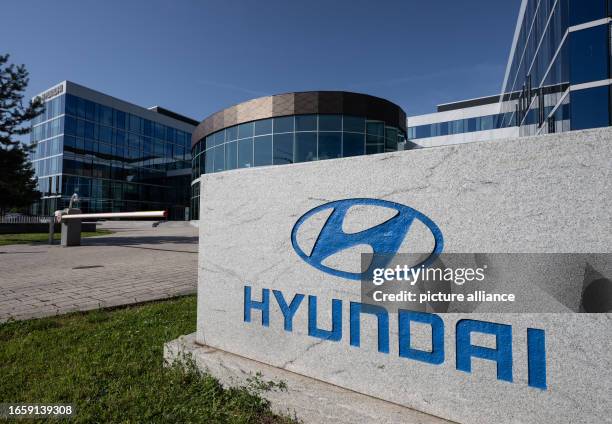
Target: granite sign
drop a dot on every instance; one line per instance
(281, 272)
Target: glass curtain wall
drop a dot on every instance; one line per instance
(114, 160)
(289, 139)
(561, 44)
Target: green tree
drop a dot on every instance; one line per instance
(17, 184)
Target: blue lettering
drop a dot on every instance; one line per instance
(465, 350)
(436, 356)
(502, 354)
(536, 358)
(288, 310)
(263, 306)
(356, 309)
(336, 332)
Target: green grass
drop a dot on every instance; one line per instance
(27, 238)
(108, 363)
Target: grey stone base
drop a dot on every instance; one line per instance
(310, 400)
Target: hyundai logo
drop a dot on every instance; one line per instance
(385, 239)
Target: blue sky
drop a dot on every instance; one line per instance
(196, 57)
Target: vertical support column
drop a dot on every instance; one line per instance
(71, 229)
(51, 230)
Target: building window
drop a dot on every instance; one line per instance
(305, 146)
(263, 127)
(581, 11)
(245, 153)
(306, 123)
(262, 150)
(589, 54)
(283, 148)
(330, 122)
(589, 108)
(283, 125)
(353, 144)
(330, 145)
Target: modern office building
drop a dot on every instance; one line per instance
(294, 127)
(560, 67)
(557, 79)
(460, 122)
(122, 157)
(115, 155)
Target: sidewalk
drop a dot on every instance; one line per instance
(135, 264)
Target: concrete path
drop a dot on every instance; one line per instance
(135, 264)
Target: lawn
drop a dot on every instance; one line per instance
(108, 363)
(27, 238)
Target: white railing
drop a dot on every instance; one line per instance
(147, 214)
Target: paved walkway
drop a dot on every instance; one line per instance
(137, 263)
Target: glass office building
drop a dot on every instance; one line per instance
(456, 126)
(294, 127)
(559, 67)
(557, 79)
(118, 157)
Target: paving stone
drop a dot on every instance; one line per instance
(133, 270)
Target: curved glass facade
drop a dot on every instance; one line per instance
(289, 139)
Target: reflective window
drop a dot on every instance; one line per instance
(71, 105)
(231, 133)
(390, 139)
(305, 146)
(301, 142)
(90, 110)
(306, 123)
(283, 149)
(471, 124)
(245, 130)
(263, 127)
(480, 123)
(262, 150)
(105, 114)
(245, 153)
(231, 155)
(209, 161)
(353, 124)
(589, 54)
(80, 107)
(283, 124)
(134, 123)
(590, 108)
(148, 128)
(219, 158)
(219, 138)
(486, 123)
(375, 128)
(120, 119)
(158, 130)
(330, 145)
(353, 144)
(330, 122)
(581, 11)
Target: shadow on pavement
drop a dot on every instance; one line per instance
(132, 241)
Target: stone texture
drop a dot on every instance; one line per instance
(311, 400)
(539, 194)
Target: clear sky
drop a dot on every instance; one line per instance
(196, 57)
